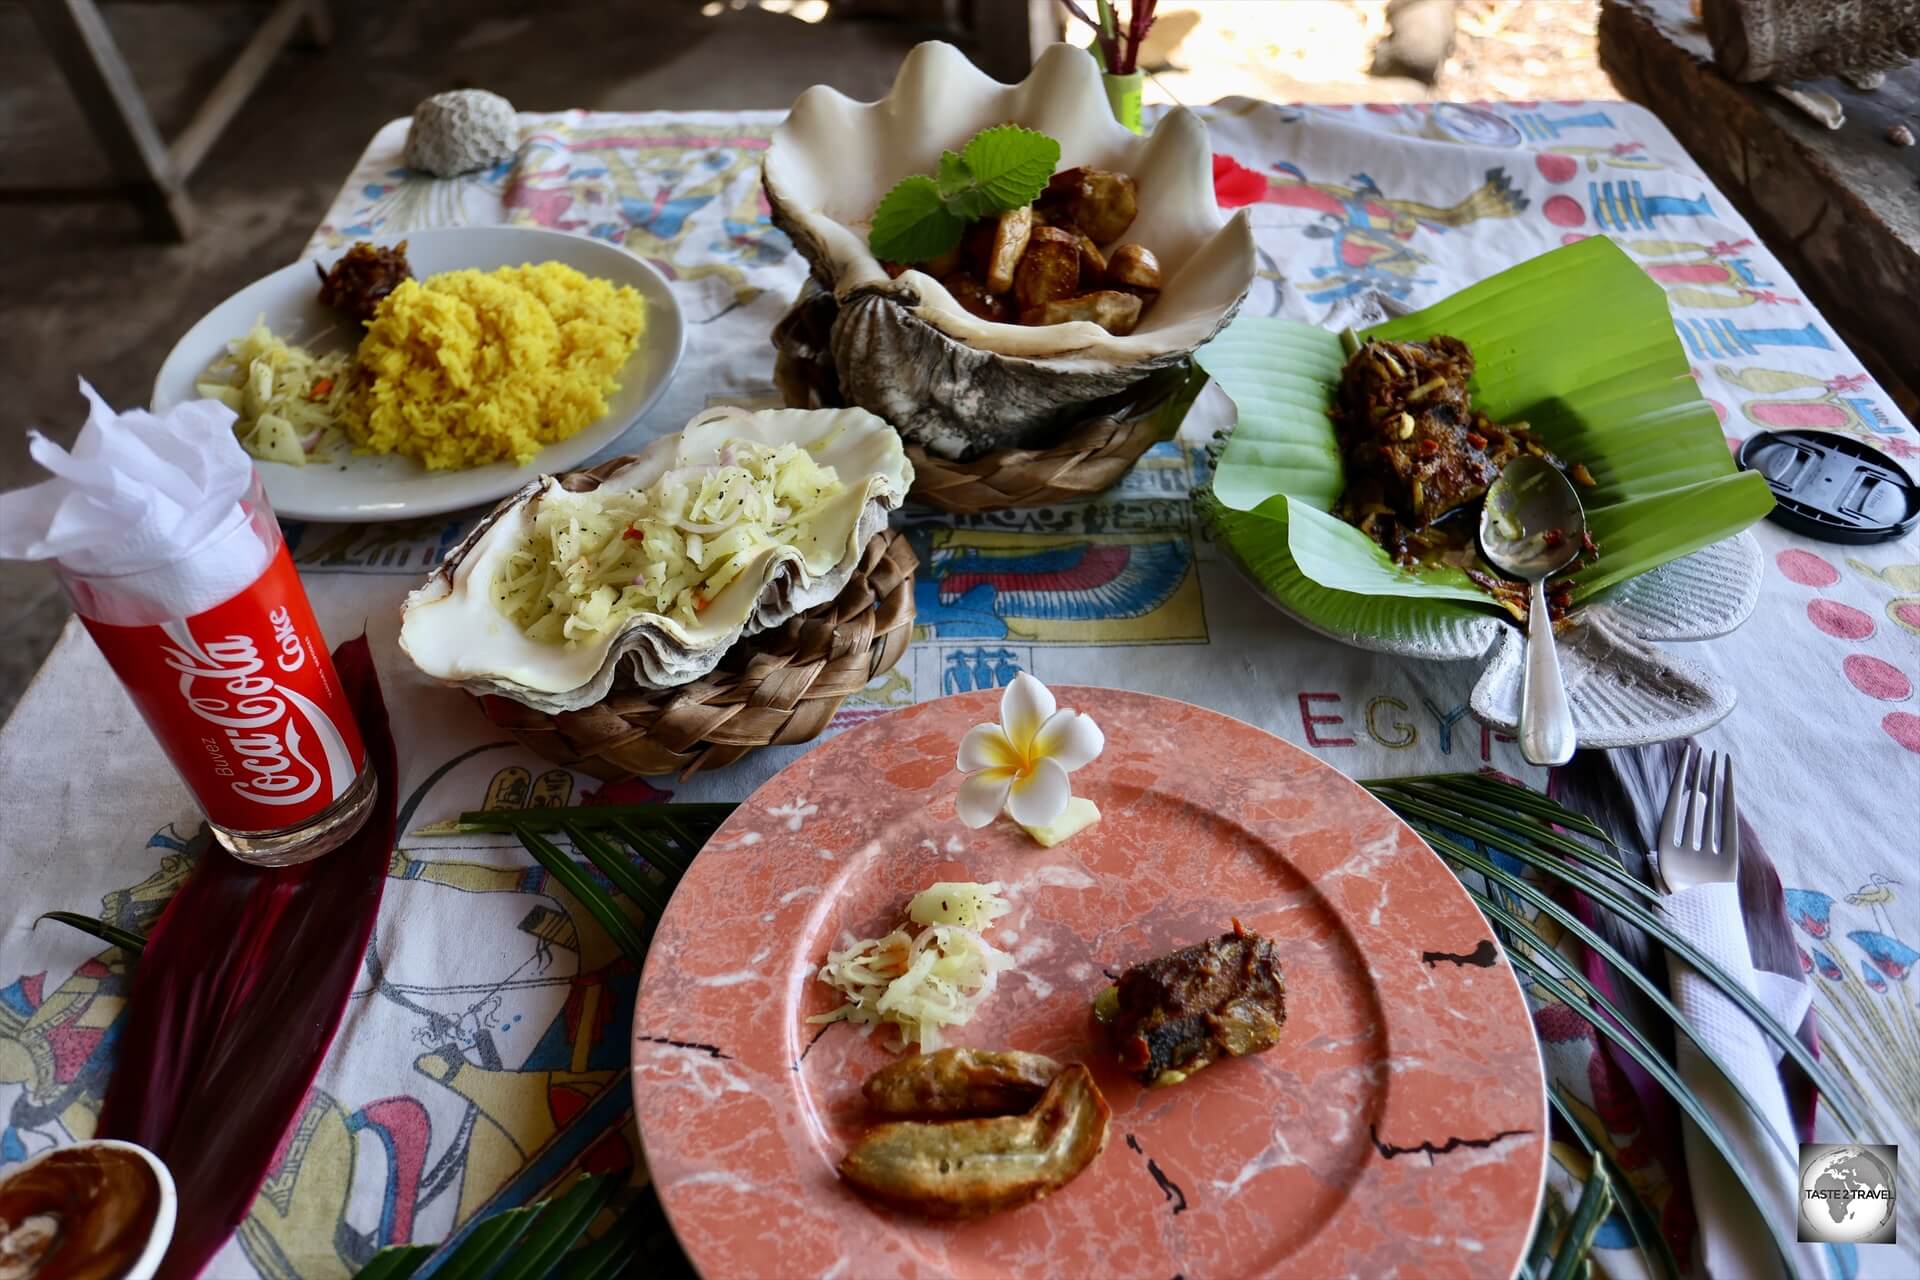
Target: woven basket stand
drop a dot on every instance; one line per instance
(779, 687)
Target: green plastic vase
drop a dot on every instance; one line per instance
(1123, 94)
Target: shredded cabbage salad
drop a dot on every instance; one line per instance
(595, 559)
(971, 906)
(921, 984)
(286, 397)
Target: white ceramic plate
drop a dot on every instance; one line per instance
(356, 487)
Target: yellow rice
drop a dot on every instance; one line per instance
(471, 367)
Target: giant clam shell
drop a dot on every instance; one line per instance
(948, 380)
(452, 630)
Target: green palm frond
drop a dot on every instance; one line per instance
(1499, 912)
(1488, 810)
(132, 943)
(491, 1240)
(642, 850)
(1455, 814)
(1572, 988)
(531, 1242)
(560, 1223)
(395, 1262)
(611, 1256)
(1646, 1233)
(1526, 833)
(1596, 1201)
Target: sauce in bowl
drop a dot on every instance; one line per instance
(85, 1212)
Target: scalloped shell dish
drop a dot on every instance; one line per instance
(1624, 689)
(452, 630)
(904, 348)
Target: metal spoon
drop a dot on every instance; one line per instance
(1531, 527)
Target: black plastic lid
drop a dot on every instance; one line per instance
(1833, 487)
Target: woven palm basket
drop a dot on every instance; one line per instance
(1090, 456)
(776, 688)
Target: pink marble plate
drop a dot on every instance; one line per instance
(1399, 1127)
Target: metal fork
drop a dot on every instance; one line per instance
(1700, 830)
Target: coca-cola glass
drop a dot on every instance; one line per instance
(220, 652)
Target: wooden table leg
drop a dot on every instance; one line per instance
(244, 72)
(318, 26)
(84, 49)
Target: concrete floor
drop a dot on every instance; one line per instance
(82, 292)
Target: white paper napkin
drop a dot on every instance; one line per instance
(1735, 1240)
(152, 497)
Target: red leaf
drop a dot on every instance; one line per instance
(236, 998)
(1234, 184)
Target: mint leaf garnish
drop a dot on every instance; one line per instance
(970, 204)
(955, 175)
(1005, 167)
(913, 224)
(963, 198)
(1011, 164)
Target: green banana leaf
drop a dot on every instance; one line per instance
(1578, 343)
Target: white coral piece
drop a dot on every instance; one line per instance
(458, 132)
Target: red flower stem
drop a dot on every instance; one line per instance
(1138, 23)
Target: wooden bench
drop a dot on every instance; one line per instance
(1839, 207)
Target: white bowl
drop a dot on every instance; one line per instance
(160, 1235)
(387, 487)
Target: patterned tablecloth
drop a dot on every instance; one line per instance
(484, 1054)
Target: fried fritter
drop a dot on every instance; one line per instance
(973, 296)
(966, 1168)
(1112, 310)
(959, 1082)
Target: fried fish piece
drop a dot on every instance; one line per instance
(1099, 202)
(974, 296)
(966, 1168)
(959, 1082)
(1011, 232)
(1049, 269)
(1175, 1015)
(1112, 310)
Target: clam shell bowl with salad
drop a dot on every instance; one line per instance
(645, 571)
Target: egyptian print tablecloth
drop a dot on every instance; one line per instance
(483, 1055)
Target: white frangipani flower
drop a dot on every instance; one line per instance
(1022, 763)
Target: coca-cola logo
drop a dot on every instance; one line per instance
(293, 654)
(226, 683)
(245, 702)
